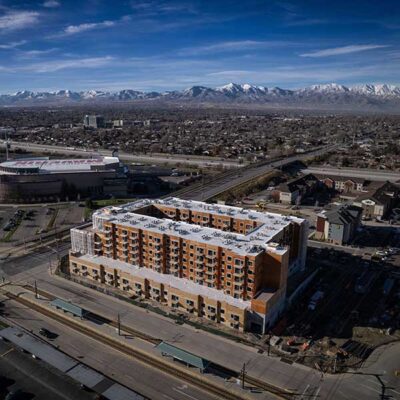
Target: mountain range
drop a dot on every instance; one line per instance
(330, 95)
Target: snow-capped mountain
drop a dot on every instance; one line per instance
(329, 95)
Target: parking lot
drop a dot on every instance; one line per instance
(20, 224)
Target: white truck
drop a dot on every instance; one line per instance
(315, 299)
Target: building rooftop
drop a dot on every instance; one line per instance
(255, 241)
(342, 215)
(46, 166)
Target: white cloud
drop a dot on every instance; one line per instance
(74, 29)
(51, 4)
(240, 45)
(12, 45)
(57, 65)
(35, 53)
(13, 20)
(343, 50)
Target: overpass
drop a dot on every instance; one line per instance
(363, 173)
(228, 180)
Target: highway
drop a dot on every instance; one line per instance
(233, 178)
(368, 174)
(135, 158)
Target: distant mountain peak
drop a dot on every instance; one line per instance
(327, 95)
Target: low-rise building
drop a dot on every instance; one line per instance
(44, 179)
(293, 191)
(339, 225)
(343, 184)
(380, 202)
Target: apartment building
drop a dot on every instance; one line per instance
(339, 225)
(344, 184)
(226, 264)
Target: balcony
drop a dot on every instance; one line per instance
(199, 268)
(211, 278)
(239, 273)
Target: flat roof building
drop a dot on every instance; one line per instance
(44, 179)
(224, 263)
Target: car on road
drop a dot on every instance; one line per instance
(48, 334)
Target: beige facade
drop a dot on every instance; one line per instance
(188, 270)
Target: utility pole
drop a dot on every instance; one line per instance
(36, 291)
(6, 140)
(243, 374)
(334, 365)
(119, 324)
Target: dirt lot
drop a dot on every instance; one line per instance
(345, 324)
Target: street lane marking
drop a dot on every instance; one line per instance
(370, 388)
(188, 395)
(8, 351)
(346, 396)
(168, 397)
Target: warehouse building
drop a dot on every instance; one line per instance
(42, 179)
(226, 264)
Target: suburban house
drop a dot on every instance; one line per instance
(293, 191)
(381, 202)
(339, 225)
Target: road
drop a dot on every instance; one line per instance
(137, 158)
(222, 351)
(241, 176)
(19, 371)
(368, 174)
(112, 363)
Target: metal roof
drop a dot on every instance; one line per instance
(183, 355)
(40, 349)
(66, 165)
(71, 308)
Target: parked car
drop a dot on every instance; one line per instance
(48, 334)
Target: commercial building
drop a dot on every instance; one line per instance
(42, 179)
(339, 225)
(94, 121)
(223, 263)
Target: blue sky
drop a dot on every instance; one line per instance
(165, 45)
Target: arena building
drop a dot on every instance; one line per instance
(223, 263)
(42, 179)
